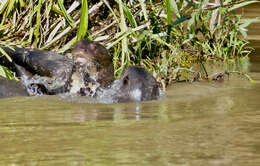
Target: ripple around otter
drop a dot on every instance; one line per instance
(104, 96)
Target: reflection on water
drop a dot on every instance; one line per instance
(194, 124)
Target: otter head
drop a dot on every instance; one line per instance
(94, 62)
(137, 84)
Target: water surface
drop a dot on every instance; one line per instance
(194, 124)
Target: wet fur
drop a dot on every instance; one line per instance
(11, 88)
(137, 84)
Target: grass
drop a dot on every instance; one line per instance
(173, 39)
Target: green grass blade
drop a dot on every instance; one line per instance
(204, 4)
(49, 7)
(168, 12)
(128, 14)
(180, 20)
(2, 72)
(5, 54)
(5, 72)
(38, 22)
(153, 36)
(56, 9)
(6, 26)
(65, 14)
(111, 10)
(10, 7)
(83, 25)
(22, 3)
(192, 21)
(174, 8)
(143, 6)
(125, 53)
(3, 6)
(247, 22)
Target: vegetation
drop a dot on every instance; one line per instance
(172, 38)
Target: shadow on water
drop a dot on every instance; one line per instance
(193, 124)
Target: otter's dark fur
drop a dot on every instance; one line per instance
(54, 73)
(137, 84)
(49, 70)
(90, 69)
(94, 60)
(11, 88)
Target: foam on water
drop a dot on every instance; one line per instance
(110, 94)
(107, 96)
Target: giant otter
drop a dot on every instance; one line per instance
(11, 88)
(95, 65)
(94, 60)
(48, 70)
(55, 73)
(90, 70)
(137, 84)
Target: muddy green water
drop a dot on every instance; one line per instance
(194, 124)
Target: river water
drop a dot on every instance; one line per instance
(194, 124)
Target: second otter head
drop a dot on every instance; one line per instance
(137, 84)
(94, 62)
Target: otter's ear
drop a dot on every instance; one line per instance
(125, 81)
(79, 45)
(92, 46)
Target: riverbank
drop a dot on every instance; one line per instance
(168, 38)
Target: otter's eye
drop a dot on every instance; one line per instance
(92, 46)
(125, 81)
